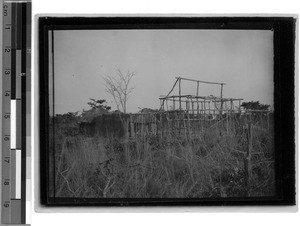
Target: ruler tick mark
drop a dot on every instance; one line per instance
(16, 20)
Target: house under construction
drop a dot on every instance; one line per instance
(210, 107)
(190, 115)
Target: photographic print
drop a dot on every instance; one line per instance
(159, 113)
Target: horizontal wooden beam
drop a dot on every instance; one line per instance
(193, 80)
(204, 98)
(227, 99)
(188, 96)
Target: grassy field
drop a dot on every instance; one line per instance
(214, 164)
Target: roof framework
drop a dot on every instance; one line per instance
(194, 102)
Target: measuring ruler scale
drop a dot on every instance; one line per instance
(16, 74)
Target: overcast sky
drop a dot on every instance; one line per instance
(243, 59)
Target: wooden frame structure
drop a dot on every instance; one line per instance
(199, 105)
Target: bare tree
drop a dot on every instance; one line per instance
(118, 86)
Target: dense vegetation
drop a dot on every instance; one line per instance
(216, 164)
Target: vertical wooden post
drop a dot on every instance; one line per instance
(209, 108)
(231, 114)
(187, 105)
(183, 113)
(227, 122)
(214, 106)
(201, 114)
(168, 124)
(201, 109)
(162, 104)
(180, 107)
(161, 125)
(192, 107)
(193, 117)
(188, 118)
(247, 160)
(198, 117)
(177, 125)
(197, 101)
(197, 107)
(179, 84)
(204, 113)
(167, 105)
(174, 104)
(221, 96)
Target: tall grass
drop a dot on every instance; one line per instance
(210, 165)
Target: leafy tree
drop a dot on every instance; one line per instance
(96, 104)
(255, 105)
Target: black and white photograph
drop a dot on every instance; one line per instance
(168, 113)
(149, 112)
